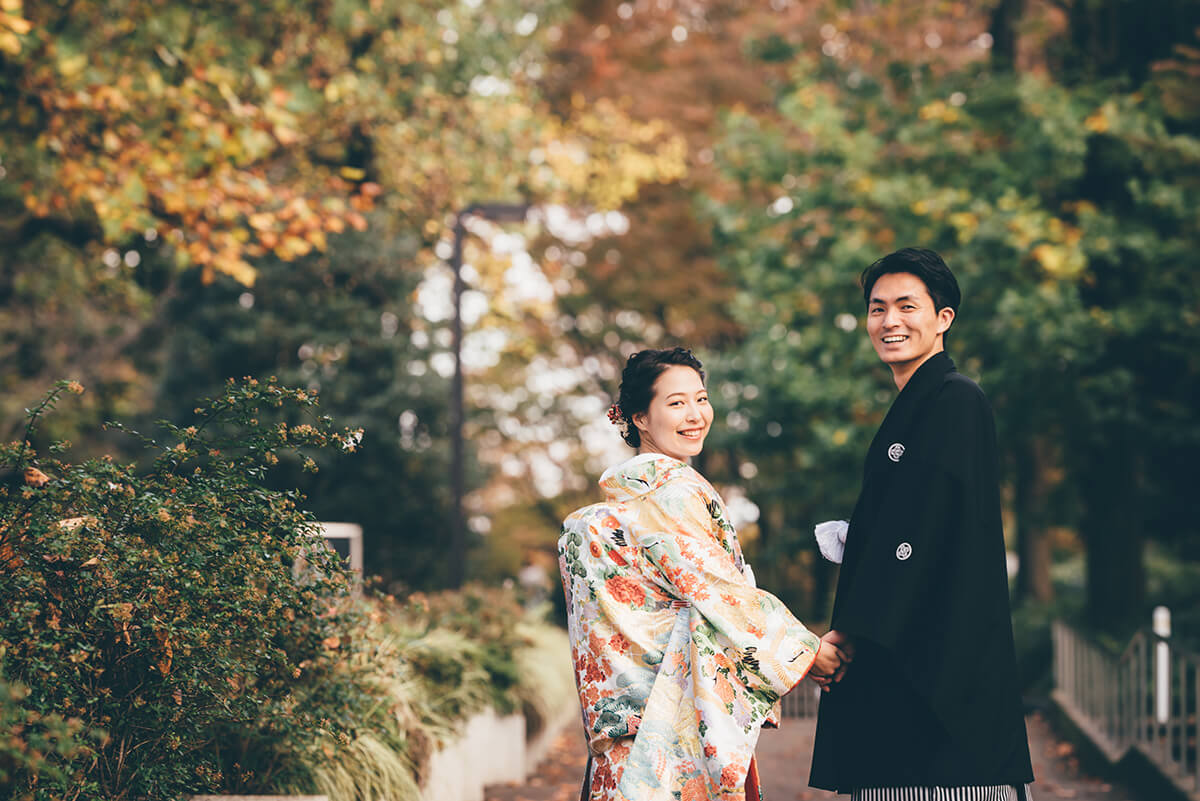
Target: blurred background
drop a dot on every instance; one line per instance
(193, 192)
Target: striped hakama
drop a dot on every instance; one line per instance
(1002, 792)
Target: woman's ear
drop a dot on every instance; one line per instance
(640, 422)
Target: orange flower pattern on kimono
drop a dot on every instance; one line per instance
(679, 658)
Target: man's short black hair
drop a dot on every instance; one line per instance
(924, 264)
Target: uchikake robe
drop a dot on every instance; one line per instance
(679, 658)
(931, 698)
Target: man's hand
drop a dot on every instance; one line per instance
(834, 656)
(842, 641)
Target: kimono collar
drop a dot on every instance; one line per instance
(643, 473)
(924, 382)
(928, 376)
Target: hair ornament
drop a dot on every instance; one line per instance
(617, 418)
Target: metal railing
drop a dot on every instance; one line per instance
(1143, 699)
(802, 701)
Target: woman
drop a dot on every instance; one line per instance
(679, 659)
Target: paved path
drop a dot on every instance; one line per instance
(783, 763)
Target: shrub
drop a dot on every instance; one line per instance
(435, 661)
(161, 642)
(32, 744)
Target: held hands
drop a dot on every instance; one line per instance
(834, 656)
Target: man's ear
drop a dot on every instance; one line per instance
(945, 319)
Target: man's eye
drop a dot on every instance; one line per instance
(876, 310)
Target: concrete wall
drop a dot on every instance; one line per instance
(492, 750)
(260, 798)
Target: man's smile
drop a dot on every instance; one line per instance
(892, 339)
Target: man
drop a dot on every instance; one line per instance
(930, 708)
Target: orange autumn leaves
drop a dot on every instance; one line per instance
(210, 183)
(216, 141)
(264, 131)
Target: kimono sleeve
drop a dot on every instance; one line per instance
(753, 635)
(895, 579)
(929, 586)
(921, 521)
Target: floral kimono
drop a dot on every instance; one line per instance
(679, 658)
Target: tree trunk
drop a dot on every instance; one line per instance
(1006, 17)
(772, 524)
(1114, 38)
(771, 519)
(1032, 488)
(1116, 582)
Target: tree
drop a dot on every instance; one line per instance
(218, 136)
(340, 324)
(159, 156)
(154, 614)
(1064, 213)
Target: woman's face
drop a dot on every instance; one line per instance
(678, 418)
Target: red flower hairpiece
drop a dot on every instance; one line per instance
(617, 418)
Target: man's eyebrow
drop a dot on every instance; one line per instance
(897, 300)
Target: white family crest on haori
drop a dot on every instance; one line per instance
(895, 451)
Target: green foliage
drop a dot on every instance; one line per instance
(430, 664)
(234, 131)
(340, 322)
(464, 645)
(34, 746)
(545, 676)
(148, 148)
(1068, 216)
(157, 611)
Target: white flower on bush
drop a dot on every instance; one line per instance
(352, 440)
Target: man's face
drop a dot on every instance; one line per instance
(901, 320)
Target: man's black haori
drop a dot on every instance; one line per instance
(932, 697)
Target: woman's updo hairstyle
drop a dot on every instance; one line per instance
(637, 386)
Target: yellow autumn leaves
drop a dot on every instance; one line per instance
(234, 144)
(13, 26)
